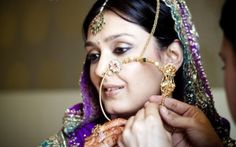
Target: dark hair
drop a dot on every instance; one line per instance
(142, 13)
(137, 12)
(227, 22)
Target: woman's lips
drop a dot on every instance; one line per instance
(112, 90)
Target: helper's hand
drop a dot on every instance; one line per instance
(192, 127)
(145, 129)
(106, 135)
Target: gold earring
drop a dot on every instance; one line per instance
(97, 23)
(167, 82)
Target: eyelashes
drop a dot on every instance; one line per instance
(94, 56)
(121, 50)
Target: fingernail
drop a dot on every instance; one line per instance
(164, 110)
(146, 103)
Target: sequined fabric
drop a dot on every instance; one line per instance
(80, 119)
(74, 130)
(196, 90)
(57, 140)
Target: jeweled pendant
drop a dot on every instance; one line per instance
(97, 24)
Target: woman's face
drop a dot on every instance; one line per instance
(228, 57)
(126, 92)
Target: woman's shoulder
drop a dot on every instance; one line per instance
(55, 140)
(72, 120)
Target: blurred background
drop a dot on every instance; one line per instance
(41, 57)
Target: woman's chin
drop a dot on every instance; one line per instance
(120, 114)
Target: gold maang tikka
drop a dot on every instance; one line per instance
(98, 21)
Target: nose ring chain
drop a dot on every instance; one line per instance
(115, 66)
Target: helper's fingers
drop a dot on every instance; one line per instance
(174, 105)
(129, 123)
(120, 143)
(175, 120)
(151, 110)
(127, 132)
(153, 118)
(139, 115)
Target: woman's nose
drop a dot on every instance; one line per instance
(102, 65)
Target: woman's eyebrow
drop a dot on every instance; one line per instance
(89, 43)
(112, 37)
(109, 38)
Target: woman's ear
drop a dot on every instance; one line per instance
(174, 54)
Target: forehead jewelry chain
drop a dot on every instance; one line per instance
(153, 27)
(99, 21)
(167, 84)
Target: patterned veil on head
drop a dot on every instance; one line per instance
(196, 88)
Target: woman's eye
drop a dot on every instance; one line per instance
(121, 50)
(93, 57)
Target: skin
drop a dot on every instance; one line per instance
(132, 92)
(123, 100)
(152, 135)
(192, 127)
(228, 57)
(108, 134)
